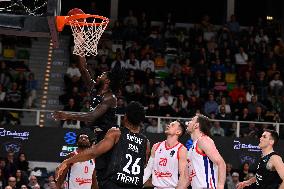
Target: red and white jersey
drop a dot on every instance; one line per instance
(80, 175)
(165, 169)
(203, 172)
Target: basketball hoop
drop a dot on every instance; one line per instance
(87, 30)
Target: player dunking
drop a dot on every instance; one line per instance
(128, 150)
(79, 175)
(168, 161)
(207, 168)
(270, 169)
(102, 116)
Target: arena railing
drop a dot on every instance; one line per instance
(159, 121)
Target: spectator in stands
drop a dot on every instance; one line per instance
(251, 131)
(259, 114)
(33, 183)
(250, 93)
(31, 88)
(118, 62)
(50, 183)
(152, 109)
(72, 76)
(121, 105)
(132, 63)
(147, 63)
(22, 163)
(217, 130)
(153, 127)
(162, 87)
(86, 106)
(71, 107)
(74, 95)
(238, 91)
(165, 103)
(244, 171)
(272, 70)
(241, 58)
(178, 88)
(132, 90)
(276, 85)
(225, 104)
(5, 75)
(233, 25)
(150, 91)
(253, 104)
(2, 179)
(10, 165)
(12, 182)
(239, 106)
(235, 178)
(211, 105)
(193, 91)
(21, 178)
(262, 85)
(180, 106)
(2, 103)
(229, 179)
(194, 105)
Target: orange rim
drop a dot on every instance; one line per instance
(61, 21)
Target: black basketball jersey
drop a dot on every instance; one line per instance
(266, 179)
(106, 121)
(126, 167)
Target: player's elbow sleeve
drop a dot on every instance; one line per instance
(148, 169)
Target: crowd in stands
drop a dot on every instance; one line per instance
(17, 83)
(225, 72)
(15, 173)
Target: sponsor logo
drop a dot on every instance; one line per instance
(162, 174)
(172, 153)
(12, 147)
(66, 150)
(81, 181)
(14, 134)
(70, 138)
(249, 147)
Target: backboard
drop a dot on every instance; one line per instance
(30, 18)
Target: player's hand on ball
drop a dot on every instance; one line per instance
(60, 169)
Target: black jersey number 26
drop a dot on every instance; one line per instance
(135, 168)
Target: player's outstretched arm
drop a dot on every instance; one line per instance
(85, 73)
(183, 182)
(278, 164)
(207, 145)
(149, 167)
(102, 147)
(61, 178)
(99, 111)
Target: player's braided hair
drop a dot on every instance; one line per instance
(117, 78)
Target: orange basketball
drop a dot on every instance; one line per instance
(75, 11)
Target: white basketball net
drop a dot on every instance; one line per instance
(86, 37)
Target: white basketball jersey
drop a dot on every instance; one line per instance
(165, 169)
(80, 175)
(202, 171)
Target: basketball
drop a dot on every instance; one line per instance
(75, 11)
